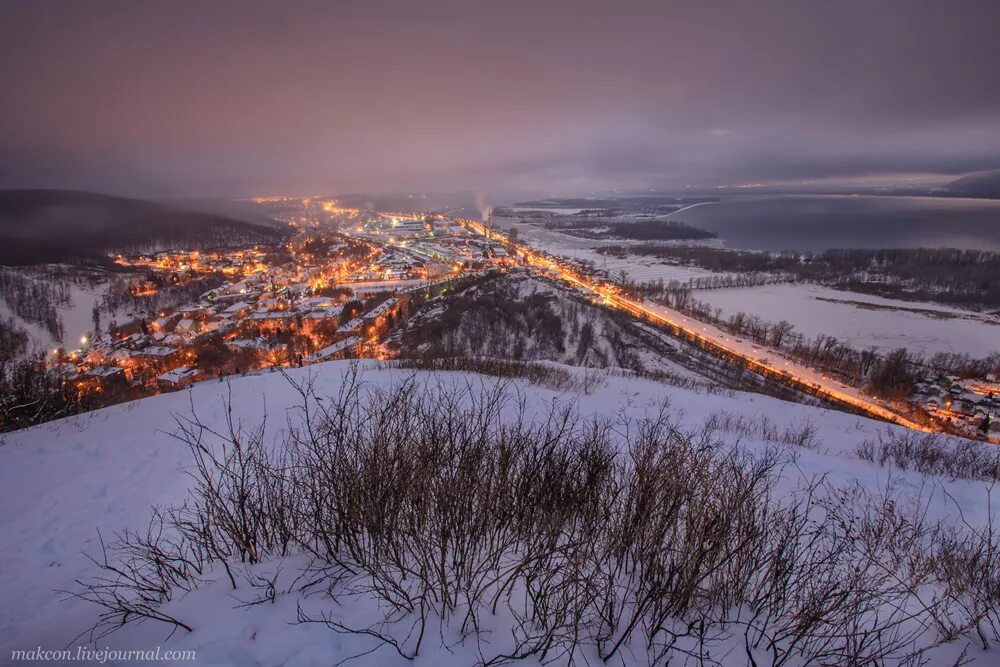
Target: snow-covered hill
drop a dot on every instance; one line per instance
(524, 316)
(62, 482)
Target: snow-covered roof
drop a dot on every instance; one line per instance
(212, 325)
(380, 309)
(352, 325)
(157, 351)
(179, 374)
(325, 314)
(236, 307)
(371, 287)
(254, 344)
(105, 371)
(336, 348)
(235, 295)
(317, 302)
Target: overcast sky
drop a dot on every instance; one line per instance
(200, 98)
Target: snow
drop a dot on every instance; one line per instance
(336, 348)
(821, 310)
(375, 286)
(78, 317)
(62, 482)
(352, 325)
(378, 310)
(812, 309)
(179, 374)
(38, 337)
(640, 269)
(105, 371)
(157, 351)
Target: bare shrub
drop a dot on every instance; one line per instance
(144, 570)
(762, 427)
(966, 565)
(539, 373)
(932, 454)
(451, 502)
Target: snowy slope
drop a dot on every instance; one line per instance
(75, 314)
(525, 317)
(62, 482)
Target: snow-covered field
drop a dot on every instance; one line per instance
(885, 323)
(62, 482)
(641, 269)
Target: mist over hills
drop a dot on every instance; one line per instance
(42, 226)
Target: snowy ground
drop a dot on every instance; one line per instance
(885, 323)
(641, 269)
(61, 482)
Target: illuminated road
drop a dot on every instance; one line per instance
(712, 339)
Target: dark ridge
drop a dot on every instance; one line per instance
(983, 185)
(44, 226)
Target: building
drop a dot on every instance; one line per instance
(380, 310)
(340, 348)
(259, 344)
(352, 326)
(162, 352)
(179, 377)
(105, 373)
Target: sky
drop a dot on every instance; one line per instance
(171, 99)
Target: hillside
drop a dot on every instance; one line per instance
(983, 184)
(68, 485)
(526, 317)
(47, 226)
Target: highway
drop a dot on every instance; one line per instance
(758, 359)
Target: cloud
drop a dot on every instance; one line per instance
(182, 97)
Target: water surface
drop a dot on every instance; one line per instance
(819, 222)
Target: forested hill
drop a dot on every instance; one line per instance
(40, 226)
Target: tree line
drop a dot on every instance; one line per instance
(34, 300)
(947, 275)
